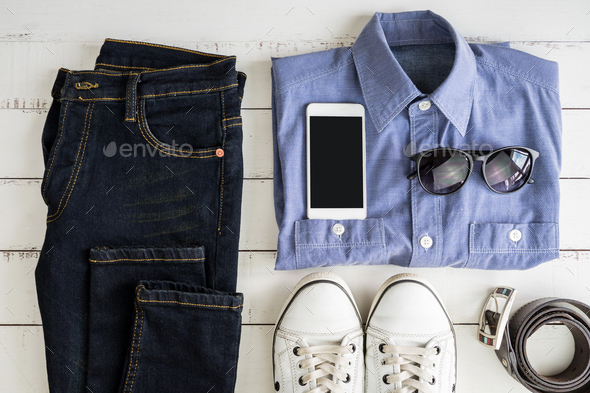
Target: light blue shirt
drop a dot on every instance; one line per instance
(480, 96)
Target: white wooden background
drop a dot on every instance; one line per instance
(37, 37)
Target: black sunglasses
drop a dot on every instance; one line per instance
(443, 171)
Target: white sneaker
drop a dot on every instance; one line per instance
(410, 340)
(319, 339)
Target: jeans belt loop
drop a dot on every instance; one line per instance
(131, 97)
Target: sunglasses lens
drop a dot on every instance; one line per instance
(443, 172)
(508, 170)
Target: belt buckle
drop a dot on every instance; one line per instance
(493, 323)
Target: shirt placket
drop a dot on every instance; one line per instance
(426, 239)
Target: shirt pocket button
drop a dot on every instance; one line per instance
(515, 235)
(338, 229)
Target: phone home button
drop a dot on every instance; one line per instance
(338, 229)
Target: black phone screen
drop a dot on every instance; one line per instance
(336, 162)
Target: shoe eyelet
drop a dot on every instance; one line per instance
(299, 366)
(433, 381)
(295, 351)
(383, 362)
(277, 386)
(437, 350)
(385, 379)
(347, 380)
(353, 349)
(301, 381)
(381, 347)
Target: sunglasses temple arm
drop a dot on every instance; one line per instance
(412, 176)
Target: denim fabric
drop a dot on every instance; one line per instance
(143, 182)
(481, 97)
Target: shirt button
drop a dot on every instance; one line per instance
(426, 242)
(515, 235)
(424, 105)
(338, 229)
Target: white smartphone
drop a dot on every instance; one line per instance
(336, 180)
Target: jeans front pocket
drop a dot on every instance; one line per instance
(115, 274)
(339, 242)
(189, 126)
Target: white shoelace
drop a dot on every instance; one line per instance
(325, 360)
(410, 359)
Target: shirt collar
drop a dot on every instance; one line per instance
(386, 87)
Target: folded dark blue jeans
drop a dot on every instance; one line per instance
(143, 182)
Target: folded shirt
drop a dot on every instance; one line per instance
(473, 96)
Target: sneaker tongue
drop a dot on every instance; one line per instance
(311, 341)
(414, 341)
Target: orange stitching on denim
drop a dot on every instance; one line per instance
(232, 118)
(189, 304)
(133, 95)
(191, 91)
(97, 99)
(231, 125)
(222, 165)
(139, 123)
(132, 341)
(164, 46)
(148, 259)
(241, 73)
(79, 166)
(99, 73)
(138, 345)
(150, 70)
(191, 66)
(55, 149)
(58, 212)
(121, 66)
(152, 95)
(85, 85)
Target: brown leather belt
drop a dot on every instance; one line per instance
(525, 322)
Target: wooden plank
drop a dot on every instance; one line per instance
(38, 63)
(24, 127)
(23, 366)
(232, 20)
(23, 215)
(463, 291)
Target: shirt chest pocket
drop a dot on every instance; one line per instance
(512, 246)
(339, 242)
